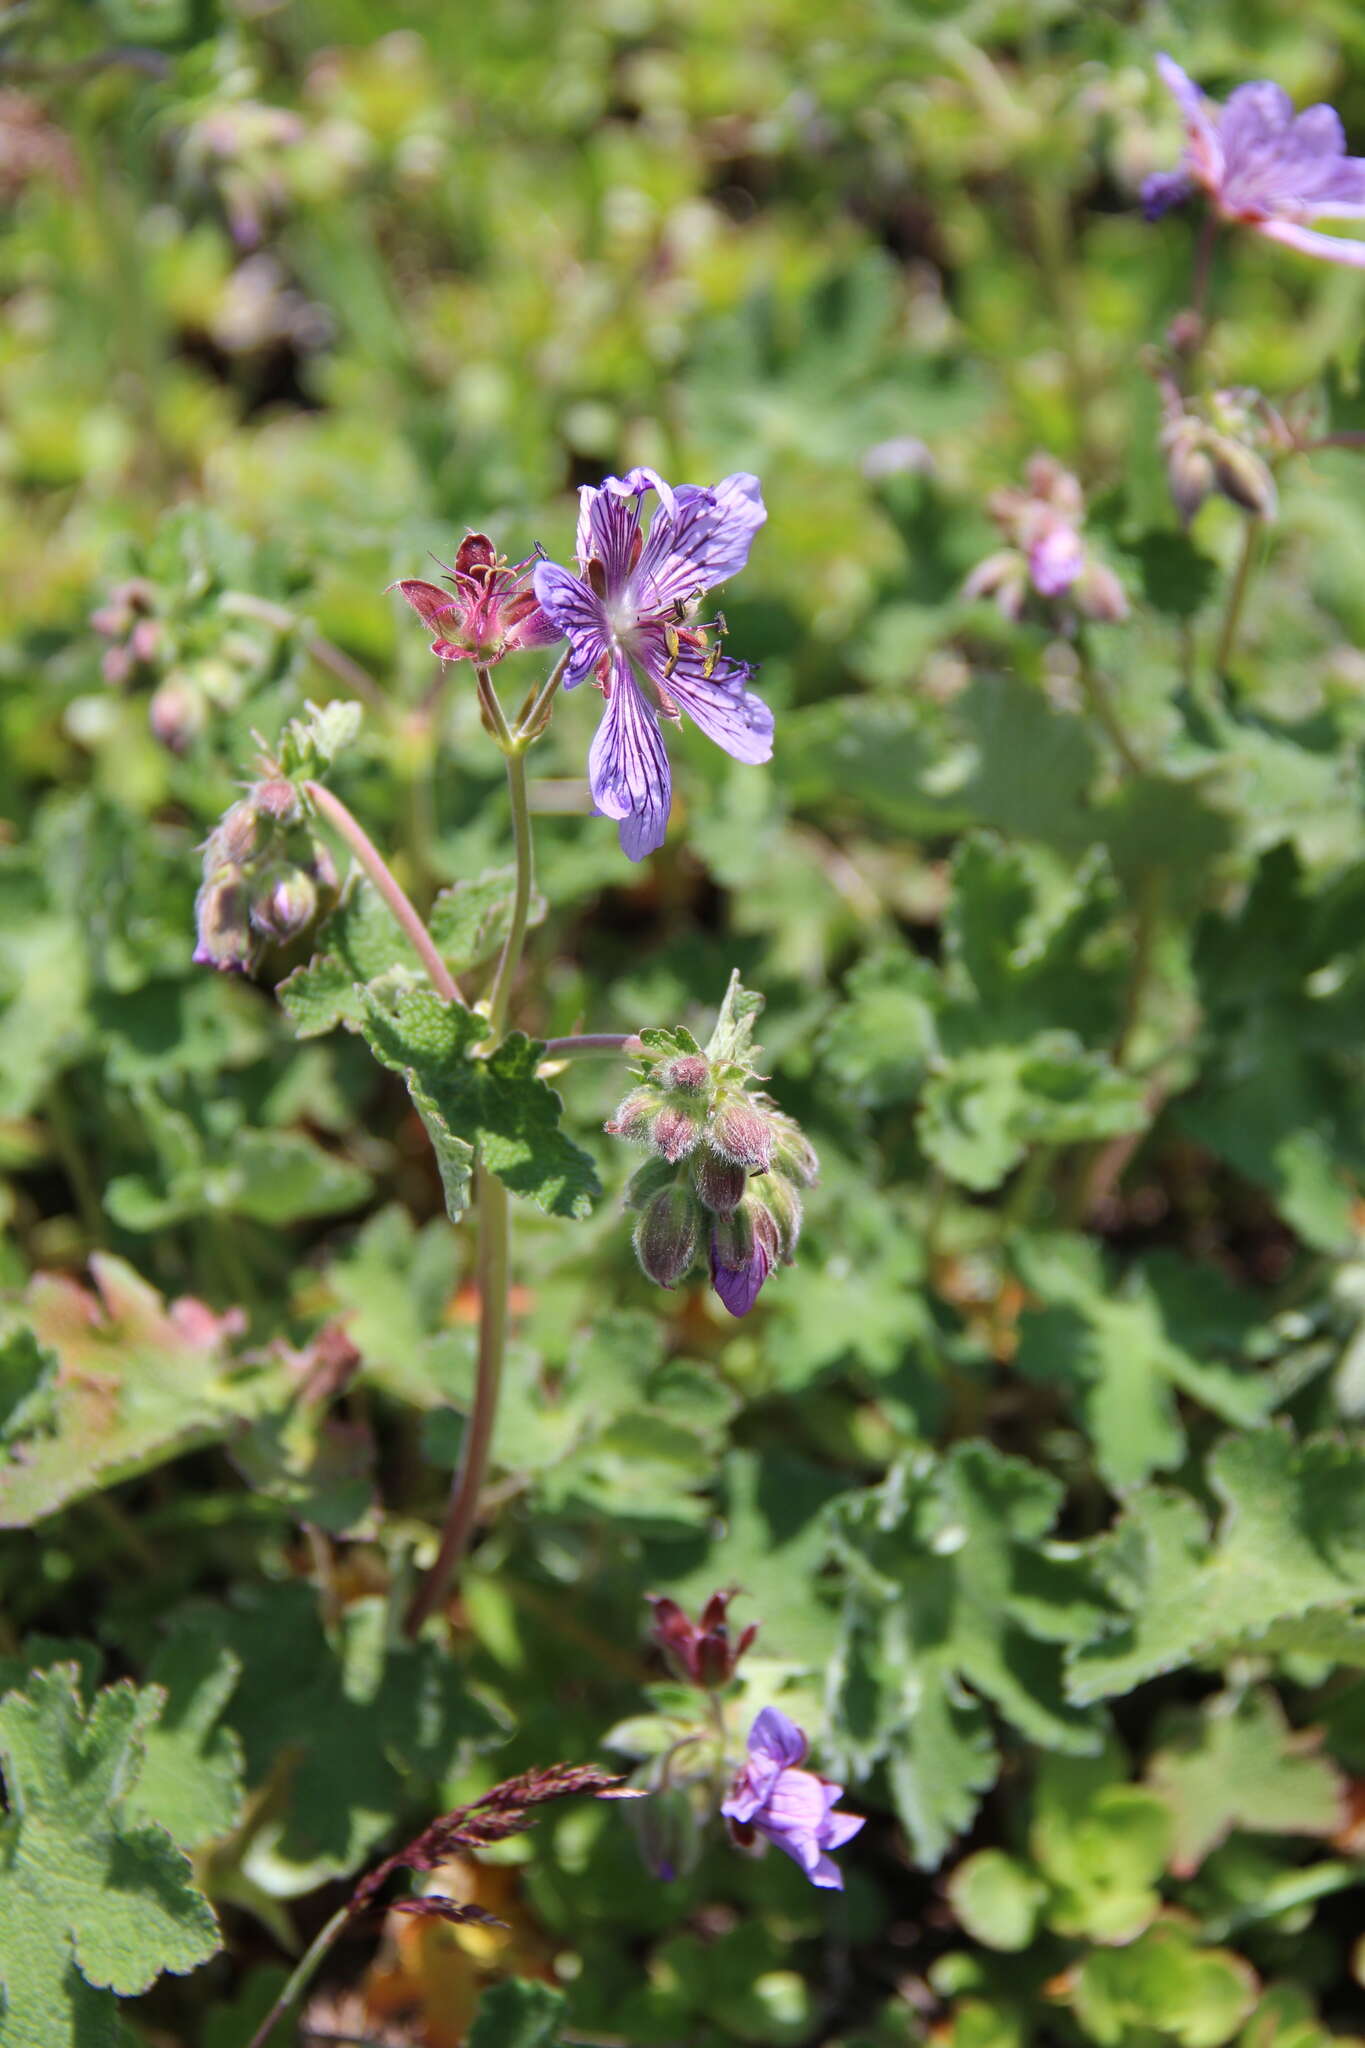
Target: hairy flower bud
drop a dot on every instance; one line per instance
(744, 1248)
(276, 799)
(238, 836)
(676, 1132)
(223, 925)
(648, 1181)
(177, 714)
(666, 1825)
(634, 1119)
(742, 1133)
(784, 1206)
(719, 1182)
(793, 1154)
(1243, 477)
(668, 1236)
(1100, 595)
(1189, 468)
(285, 905)
(689, 1072)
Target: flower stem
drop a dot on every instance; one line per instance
(302, 1976)
(377, 868)
(510, 958)
(586, 1042)
(1232, 617)
(1101, 707)
(462, 1512)
(529, 724)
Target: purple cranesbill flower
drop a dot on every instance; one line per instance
(794, 1809)
(629, 616)
(490, 609)
(1264, 165)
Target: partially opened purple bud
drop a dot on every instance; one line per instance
(792, 1808)
(223, 924)
(285, 905)
(745, 1247)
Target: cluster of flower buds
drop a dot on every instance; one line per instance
(1046, 557)
(728, 1166)
(702, 1652)
(1219, 444)
(265, 878)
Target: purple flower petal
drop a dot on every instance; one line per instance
(740, 1286)
(1184, 91)
(573, 607)
(1333, 248)
(628, 769)
(774, 1735)
(718, 704)
(704, 540)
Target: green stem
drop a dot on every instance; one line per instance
(586, 1042)
(1101, 707)
(462, 1511)
(302, 1976)
(377, 868)
(66, 1143)
(1232, 617)
(510, 958)
(533, 718)
(494, 716)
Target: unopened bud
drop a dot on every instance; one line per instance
(719, 1182)
(676, 1132)
(743, 1134)
(287, 903)
(648, 1181)
(222, 923)
(634, 1120)
(668, 1236)
(238, 837)
(1243, 477)
(1189, 469)
(277, 799)
(689, 1072)
(1100, 595)
(665, 1826)
(784, 1206)
(176, 715)
(793, 1154)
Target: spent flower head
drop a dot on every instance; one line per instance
(1264, 166)
(793, 1809)
(723, 1186)
(631, 618)
(489, 610)
(702, 1651)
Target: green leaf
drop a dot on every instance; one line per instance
(470, 921)
(94, 1899)
(731, 1044)
(1235, 1762)
(360, 942)
(496, 1105)
(362, 1728)
(954, 1597)
(518, 2014)
(1176, 578)
(1163, 1984)
(137, 1383)
(309, 745)
(878, 1043)
(191, 1779)
(1101, 1844)
(996, 1899)
(982, 1110)
(1291, 1538)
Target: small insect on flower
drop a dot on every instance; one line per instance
(794, 1809)
(1264, 166)
(490, 609)
(630, 615)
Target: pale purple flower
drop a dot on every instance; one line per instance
(793, 1808)
(628, 615)
(1047, 555)
(1264, 165)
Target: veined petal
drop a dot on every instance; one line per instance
(572, 607)
(840, 1828)
(628, 769)
(702, 539)
(774, 1735)
(718, 704)
(428, 600)
(1332, 248)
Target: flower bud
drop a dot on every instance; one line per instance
(1189, 468)
(1243, 477)
(719, 1182)
(744, 1248)
(742, 1133)
(648, 1181)
(665, 1826)
(700, 1651)
(285, 905)
(676, 1132)
(689, 1072)
(793, 1154)
(222, 922)
(668, 1235)
(634, 1120)
(1100, 595)
(237, 838)
(176, 714)
(784, 1206)
(276, 799)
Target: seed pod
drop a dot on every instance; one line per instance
(719, 1182)
(744, 1134)
(668, 1235)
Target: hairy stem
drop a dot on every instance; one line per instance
(301, 1977)
(510, 958)
(377, 868)
(1232, 616)
(586, 1042)
(1100, 705)
(462, 1512)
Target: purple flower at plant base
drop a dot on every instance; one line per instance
(1264, 165)
(490, 609)
(628, 615)
(794, 1809)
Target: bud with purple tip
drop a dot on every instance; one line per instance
(264, 877)
(668, 1235)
